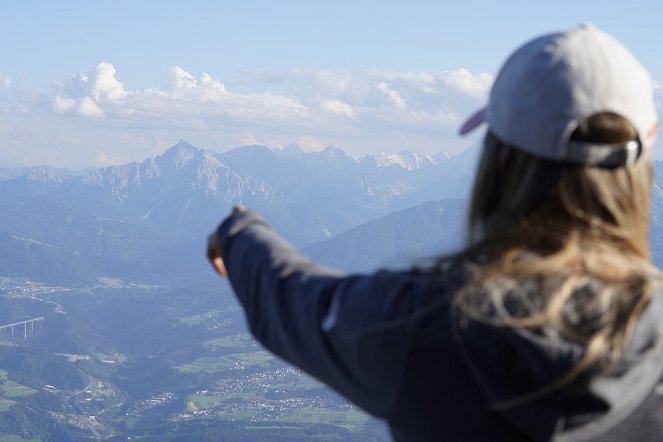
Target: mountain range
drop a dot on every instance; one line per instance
(146, 221)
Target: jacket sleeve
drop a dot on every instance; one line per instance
(351, 332)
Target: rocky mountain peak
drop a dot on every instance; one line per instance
(179, 155)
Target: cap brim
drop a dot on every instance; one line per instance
(474, 121)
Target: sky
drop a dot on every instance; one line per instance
(88, 84)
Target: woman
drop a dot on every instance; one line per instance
(547, 326)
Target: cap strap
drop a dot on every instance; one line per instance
(603, 155)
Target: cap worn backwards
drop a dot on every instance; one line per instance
(550, 85)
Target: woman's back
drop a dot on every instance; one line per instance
(547, 326)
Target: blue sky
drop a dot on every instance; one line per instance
(91, 83)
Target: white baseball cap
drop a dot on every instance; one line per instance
(551, 84)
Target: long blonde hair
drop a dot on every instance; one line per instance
(563, 249)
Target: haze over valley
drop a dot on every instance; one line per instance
(139, 338)
(122, 330)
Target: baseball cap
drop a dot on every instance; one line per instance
(551, 84)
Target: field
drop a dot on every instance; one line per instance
(298, 411)
(9, 388)
(200, 318)
(15, 438)
(350, 418)
(5, 404)
(230, 362)
(238, 340)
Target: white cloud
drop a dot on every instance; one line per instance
(104, 85)
(84, 107)
(394, 95)
(465, 82)
(88, 108)
(187, 86)
(446, 83)
(63, 105)
(182, 79)
(84, 95)
(337, 107)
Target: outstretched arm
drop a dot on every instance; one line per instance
(351, 332)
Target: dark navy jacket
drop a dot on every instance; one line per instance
(394, 344)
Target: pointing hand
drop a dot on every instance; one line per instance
(214, 248)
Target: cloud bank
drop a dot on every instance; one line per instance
(297, 101)
(94, 118)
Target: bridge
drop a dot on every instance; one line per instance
(24, 324)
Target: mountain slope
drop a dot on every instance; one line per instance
(401, 239)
